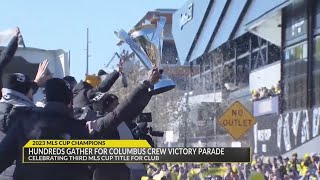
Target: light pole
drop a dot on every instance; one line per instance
(186, 116)
(87, 57)
(210, 120)
(215, 130)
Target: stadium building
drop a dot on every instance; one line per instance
(265, 54)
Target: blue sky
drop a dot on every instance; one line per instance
(61, 24)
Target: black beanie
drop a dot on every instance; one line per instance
(101, 72)
(71, 80)
(58, 90)
(18, 82)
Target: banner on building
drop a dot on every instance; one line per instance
(279, 134)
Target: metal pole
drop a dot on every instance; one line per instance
(185, 119)
(69, 58)
(87, 70)
(187, 103)
(215, 130)
(207, 129)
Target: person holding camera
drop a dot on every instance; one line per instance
(142, 132)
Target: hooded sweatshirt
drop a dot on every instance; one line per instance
(16, 99)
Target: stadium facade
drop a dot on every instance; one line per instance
(265, 54)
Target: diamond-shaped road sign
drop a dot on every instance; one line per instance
(237, 120)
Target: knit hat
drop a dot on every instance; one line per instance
(58, 90)
(19, 82)
(101, 72)
(71, 80)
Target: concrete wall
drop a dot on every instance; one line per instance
(256, 10)
(309, 147)
(265, 77)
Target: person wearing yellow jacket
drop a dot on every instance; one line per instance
(174, 171)
(305, 164)
(294, 164)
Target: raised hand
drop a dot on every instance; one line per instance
(154, 76)
(41, 78)
(17, 32)
(120, 68)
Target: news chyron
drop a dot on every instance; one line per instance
(126, 151)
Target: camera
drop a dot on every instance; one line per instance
(144, 117)
(143, 128)
(155, 133)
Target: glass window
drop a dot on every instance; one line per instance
(273, 53)
(295, 77)
(242, 72)
(169, 53)
(317, 14)
(316, 64)
(208, 81)
(217, 58)
(259, 59)
(316, 72)
(196, 82)
(207, 63)
(229, 73)
(295, 20)
(217, 78)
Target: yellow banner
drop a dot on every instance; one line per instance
(87, 144)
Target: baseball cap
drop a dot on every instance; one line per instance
(19, 82)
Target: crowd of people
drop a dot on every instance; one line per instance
(70, 110)
(264, 92)
(277, 168)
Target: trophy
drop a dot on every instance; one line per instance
(146, 42)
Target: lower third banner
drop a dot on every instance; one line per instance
(91, 151)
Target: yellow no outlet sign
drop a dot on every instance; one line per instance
(237, 120)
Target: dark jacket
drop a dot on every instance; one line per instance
(11, 104)
(7, 55)
(83, 92)
(55, 121)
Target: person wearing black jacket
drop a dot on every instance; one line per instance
(83, 92)
(8, 54)
(103, 104)
(55, 121)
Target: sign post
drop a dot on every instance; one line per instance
(237, 120)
